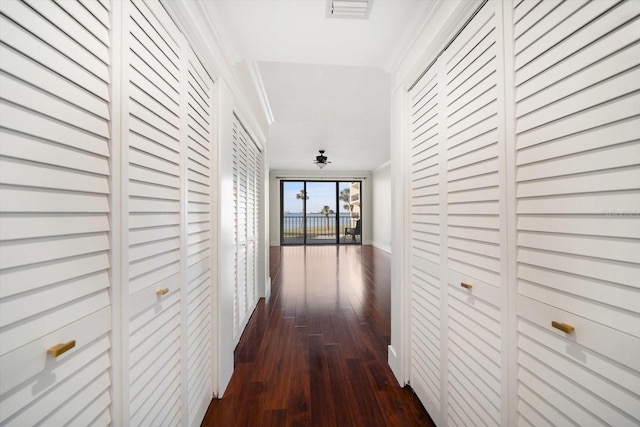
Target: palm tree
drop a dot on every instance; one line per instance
(326, 210)
(302, 195)
(345, 196)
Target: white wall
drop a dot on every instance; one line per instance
(381, 189)
(274, 198)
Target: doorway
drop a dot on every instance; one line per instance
(320, 212)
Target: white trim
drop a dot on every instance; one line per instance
(442, 22)
(382, 247)
(399, 292)
(256, 79)
(123, 184)
(119, 383)
(498, 6)
(444, 244)
(267, 288)
(410, 37)
(393, 361)
(183, 45)
(198, 26)
(264, 220)
(382, 166)
(320, 175)
(510, 343)
(215, 236)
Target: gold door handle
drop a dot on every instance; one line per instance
(62, 348)
(567, 329)
(161, 292)
(466, 285)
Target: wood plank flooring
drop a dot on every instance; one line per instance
(315, 353)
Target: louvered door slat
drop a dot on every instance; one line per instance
(55, 37)
(73, 29)
(30, 45)
(154, 192)
(472, 122)
(235, 148)
(27, 96)
(24, 68)
(79, 12)
(425, 185)
(578, 169)
(54, 216)
(474, 196)
(247, 167)
(199, 245)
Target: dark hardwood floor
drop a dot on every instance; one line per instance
(315, 353)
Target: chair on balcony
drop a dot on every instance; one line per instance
(353, 231)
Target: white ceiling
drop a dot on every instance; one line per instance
(343, 110)
(326, 79)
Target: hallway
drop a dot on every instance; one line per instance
(315, 353)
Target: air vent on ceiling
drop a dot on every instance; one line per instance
(358, 9)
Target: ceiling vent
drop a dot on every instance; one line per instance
(355, 9)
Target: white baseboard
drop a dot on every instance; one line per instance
(395, 365)
(382, 247)
(267, 288)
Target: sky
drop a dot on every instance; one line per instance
(320, 194)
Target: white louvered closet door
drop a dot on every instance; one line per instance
(234, 143)
(475, 185)
(252, 162)
(54, 214)
(425, 162)
(240, 152)
(259, 215)
(258, 247)
(199, 238)
(154, 200)
(247, 167)
(578, 212)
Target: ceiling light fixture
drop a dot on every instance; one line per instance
(349, 8)
(321, 160)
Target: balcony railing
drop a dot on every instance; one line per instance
(318, 227)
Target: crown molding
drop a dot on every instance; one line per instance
(382, 166)
(204, 35)
(256, 78)
(410, 35)
(443, 20)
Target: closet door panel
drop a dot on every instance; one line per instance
(54, 217)
(154, 203)
(424, 182)
(474, 340)
(247, 166)
(19, 367)
(199, 244)
(602, 381)
(578, 169)
(474, 194)
(473, 149)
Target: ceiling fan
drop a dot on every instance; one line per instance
(321, 160)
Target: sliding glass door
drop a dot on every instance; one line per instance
(320, 212)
